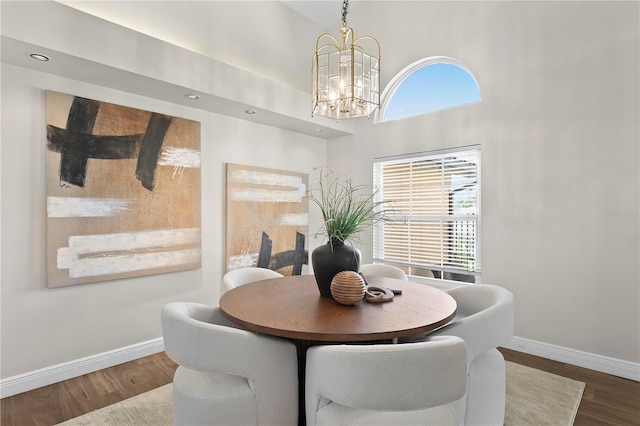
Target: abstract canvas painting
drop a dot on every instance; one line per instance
(123, 191)
(267, 219)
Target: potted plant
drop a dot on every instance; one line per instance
(346, 210)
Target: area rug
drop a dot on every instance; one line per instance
(534, 398)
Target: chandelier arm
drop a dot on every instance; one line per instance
(335, 43)
(354, 43)
(346, 32)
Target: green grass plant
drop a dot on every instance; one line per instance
(347, 209)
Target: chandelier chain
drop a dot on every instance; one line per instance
(345, 10)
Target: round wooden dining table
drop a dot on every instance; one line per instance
(292, 307)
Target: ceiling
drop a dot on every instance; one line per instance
(73, 61)
(324, 13)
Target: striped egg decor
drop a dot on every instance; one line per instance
(347, 287)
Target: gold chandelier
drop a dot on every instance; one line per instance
(346, 79)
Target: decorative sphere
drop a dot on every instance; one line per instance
(347, 287)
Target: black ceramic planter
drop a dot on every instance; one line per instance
(331, 258)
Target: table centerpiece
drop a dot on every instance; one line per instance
(347, 209)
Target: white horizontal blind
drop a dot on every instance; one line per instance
(434, 228)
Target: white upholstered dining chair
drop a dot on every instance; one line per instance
(238, 277)
(381, 270)
(385, 384)
(226, 375)
(484, 320)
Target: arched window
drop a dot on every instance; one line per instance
(428, 85)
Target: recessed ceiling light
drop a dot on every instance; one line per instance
(192, 96)
(39, 57)
(249, 111)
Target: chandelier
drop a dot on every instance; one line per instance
(346, 79)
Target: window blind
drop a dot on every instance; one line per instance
(435, 223)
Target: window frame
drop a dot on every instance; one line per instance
(393, 85)
(378, 231)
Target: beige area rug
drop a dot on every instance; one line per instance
(534, 398)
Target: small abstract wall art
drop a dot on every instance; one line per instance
(267, 219)
(123, 191)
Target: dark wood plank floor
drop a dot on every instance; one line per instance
(62, 401)
(607, 400)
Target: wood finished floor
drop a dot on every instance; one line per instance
(607, 400)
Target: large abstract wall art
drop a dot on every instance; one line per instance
(267, 219)
(123, 191)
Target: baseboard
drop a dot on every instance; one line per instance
(57, 373)
(617, 367)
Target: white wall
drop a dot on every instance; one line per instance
(42, 327)
(559, 133)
